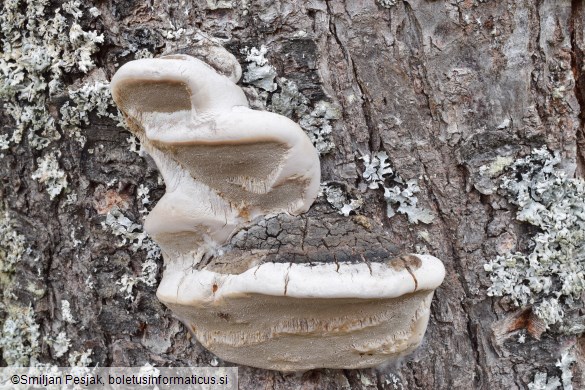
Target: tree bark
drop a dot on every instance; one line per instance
(444, 87)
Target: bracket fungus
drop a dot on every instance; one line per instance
(230, 172)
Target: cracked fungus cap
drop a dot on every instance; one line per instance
(258, 275)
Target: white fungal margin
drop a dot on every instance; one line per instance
(323, 281)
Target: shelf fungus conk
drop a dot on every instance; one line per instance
(259, 278)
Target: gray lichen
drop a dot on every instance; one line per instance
(339, 199)
(61, 344)
(12, 246)
(405, 197)
(377, 171)
(564, 364)
(286, 99)
(37, 50)
(387, 3)
(551, 276)
(289, 101)
(133, 235)
(90, 97)
(220, 4)
(50, 174)
(66, 312)
(316, 121)
(80, 359)
(259, 72)
(19, 338)
(544, 382)
(317, 124)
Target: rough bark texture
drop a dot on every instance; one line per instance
(429, 82)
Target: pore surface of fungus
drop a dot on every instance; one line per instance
(317, 293)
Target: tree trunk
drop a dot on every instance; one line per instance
(444, 87)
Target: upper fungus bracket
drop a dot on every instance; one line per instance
(240, 163)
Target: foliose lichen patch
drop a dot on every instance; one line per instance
(38, 49)
(19, 337)
(551, 275)
(50, 174)
(542, 381)
(377, 171)
(43, 46)
(12, 247)
(283, 97)
(387, 3)
(133, 235)
(339, 199)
